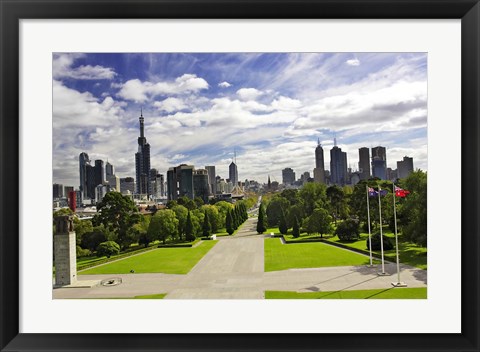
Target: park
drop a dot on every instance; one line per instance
(245, 251)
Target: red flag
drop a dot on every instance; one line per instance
(399, 192)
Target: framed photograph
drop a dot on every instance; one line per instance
(278, 134)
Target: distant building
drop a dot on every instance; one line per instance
(233, 173)
(200, 184)
(142, 162)
(180, 182)
(288, 176)
(72, 200)
(391, 174)
(364, 163)
(100, 192)
(99, 173)
(338, 166)
(83, 161)
(319, 170)
(379, 162)
(405, 167)
(67, 190)
(212, 182)
(127, 185)
(57, 191)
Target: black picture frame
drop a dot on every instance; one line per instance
(12, 11)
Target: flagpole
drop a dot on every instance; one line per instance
(369, 231)
(381, 232)
(398, 283)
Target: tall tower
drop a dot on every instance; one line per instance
(364, 163)
(211, 179)
(319, 170)
(233, 173)
(83, 161)
(142, 162)
(379, 162)
(99, 173)
(338, 166)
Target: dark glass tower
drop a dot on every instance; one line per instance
(233, 173)
(83, 162)
(142, 162)
(319, 170)
(364, 163)
(338, 166)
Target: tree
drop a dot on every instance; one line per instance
(229, 223)
(189, 235)
(213, 217)
(261, 227)
(81, 227)
(282, 226)
(187, 203)
(223, 208)
(296, 228)
(336, 198)
(198, 202)
(181, 214)
(277, 206)
(319, 222)
(207, 229)
(108, 249)
(313, 195)
(291, 195)
(348, 230)
(413, 209)
(164, 224)
(117, 213)
(295, 211)
(91, 240)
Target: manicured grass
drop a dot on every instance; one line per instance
(389, 293)
(280, 256)
(161, 260)
(410, 253)
(157, 296)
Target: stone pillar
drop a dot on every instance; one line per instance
(65, 248)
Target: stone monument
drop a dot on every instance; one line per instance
(65, 248)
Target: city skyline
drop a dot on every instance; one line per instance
(270, 108)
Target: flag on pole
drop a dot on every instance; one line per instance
(373, 193)
(399, 192)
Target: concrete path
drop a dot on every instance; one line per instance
(234, 269)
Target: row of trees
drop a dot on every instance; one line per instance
(118, 220)
(316, 208)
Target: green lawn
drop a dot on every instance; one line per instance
(280, 256)
(389, 293)
(410, 253)
(161, 260)
(157, 296)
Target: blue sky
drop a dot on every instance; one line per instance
(269, 107)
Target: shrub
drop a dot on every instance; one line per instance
(348, 230)
(296, 228)
(82, 252)
(108, 249)
(387, 243)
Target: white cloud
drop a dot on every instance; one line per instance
(170, 105)
(62, 68)
(224, 84)
(249, 93)
(140, 92)
(353, 62)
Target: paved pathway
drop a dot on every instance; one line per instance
(234, 268)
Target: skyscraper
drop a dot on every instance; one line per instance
(142, 162)
(233, 173)
(288, 176)
(57, 191)
(379, 162)
(319, 170)
(211, 179)
(180, 182)
(83, 161)
(99, 173)
(404, 167)
(200, 184)
(109, 169)
(364, 163)
(338, 166)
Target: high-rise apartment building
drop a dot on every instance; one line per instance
(127, 185)
(57, 190)
(180, 182)
(288, 176)
(319, 170)
(404, 167)
(364, 163)
(338, 166)
(379, 162)
(142, 162)
(233, 173)
(212, 182)
(99, 173)
(200, 184)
